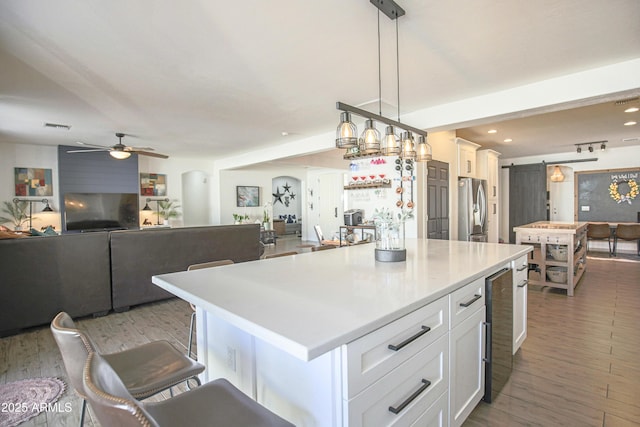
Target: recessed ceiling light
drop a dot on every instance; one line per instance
(284, 133)
(631, 110)
(492, 131)
(508, 140)
(630, 123)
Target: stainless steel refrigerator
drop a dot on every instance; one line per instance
(499, 336)
(472, 209)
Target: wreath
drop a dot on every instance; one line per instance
(615, 193)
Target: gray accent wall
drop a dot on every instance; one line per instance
(94, 172)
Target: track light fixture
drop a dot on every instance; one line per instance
(590, 146)
(370, 142)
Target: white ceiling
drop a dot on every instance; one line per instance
(212, 78)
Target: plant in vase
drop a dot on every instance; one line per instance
(266, 219)
(17, 213)
(390, 231)
(168, 210)
(240, 218)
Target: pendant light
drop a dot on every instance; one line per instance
(557, 176)
(390, 145)
(370, 139)
(347, 133)
(408, 146)
(424, 152)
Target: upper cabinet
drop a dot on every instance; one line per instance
(467, 158)
(488, 168)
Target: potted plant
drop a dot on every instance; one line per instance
(17, 213)
(240, 218)
(266, 219)
(390, 230)
(168, 210)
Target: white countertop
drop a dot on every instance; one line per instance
(311, 303)
(547, 227)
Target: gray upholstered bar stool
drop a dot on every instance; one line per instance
(217, 403)
(626, 232)
(145, 370)
(599, 231)
(192, 324)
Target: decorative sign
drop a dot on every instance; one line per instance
(620, 183)
(153, 184)
(33, 182)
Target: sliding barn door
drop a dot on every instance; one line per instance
(527, 195)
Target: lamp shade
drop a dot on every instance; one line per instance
(347, 133)
(557, 175)
(408, 146)
(390, 145)
(424, 152)
(370, 138)
(120, 155)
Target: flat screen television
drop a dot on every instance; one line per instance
(101, 211)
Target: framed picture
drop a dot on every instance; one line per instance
(33, 182)
(247, 196)
(153, 184)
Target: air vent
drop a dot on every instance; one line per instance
(57, 126)
(626, 101)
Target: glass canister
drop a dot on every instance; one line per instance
(390, 241)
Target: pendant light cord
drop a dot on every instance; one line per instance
(398, 67)
(379, 71)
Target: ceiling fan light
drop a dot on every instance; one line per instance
(424, 151)
(408, 146)
(347, 133)
(390, 144)
(370, 138)
(120, 155)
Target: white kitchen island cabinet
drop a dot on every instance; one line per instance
(334, 338)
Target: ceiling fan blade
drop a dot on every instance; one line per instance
(139, 149)
(146, 153)
(90, 150)
(92, 145)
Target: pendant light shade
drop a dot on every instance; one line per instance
(424, 152)
(347, 133)
(408, 146)
(146, 207)
(557, 176)
(390, 145)
(47, 208)
(370, 138)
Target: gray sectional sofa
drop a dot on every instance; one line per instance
(93, 273)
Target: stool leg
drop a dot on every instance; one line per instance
(191, 329)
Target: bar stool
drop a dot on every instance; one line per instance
(192, 324)
(626, 232)
(216, 403)
(599, 231)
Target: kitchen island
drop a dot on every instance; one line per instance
(559, 255)
(309, 335)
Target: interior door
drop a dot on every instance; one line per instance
(330, 210)
(438, 200)
(527, 195)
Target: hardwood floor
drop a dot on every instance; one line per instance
(579, 365)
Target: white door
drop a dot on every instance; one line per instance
(330, 210)
(561, 200)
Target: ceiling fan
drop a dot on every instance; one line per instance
(120, 151)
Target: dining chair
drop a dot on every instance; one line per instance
(599, 231)
(145, 370)
(626, 232)
(216, 403)
(192, 324)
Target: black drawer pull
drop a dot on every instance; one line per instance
(523, 284)
(522, 267)
(475, 298)
(424, 330)
(423, 387)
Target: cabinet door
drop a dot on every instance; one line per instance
(467, 162)
(520, 315)
(467, 366)
(493, 232)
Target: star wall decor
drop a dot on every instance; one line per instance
(293, 196)
(286, 187)
(277, 196)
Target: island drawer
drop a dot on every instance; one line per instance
(466, 301)
(369, 358)
(520, 270)
(405, 394)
